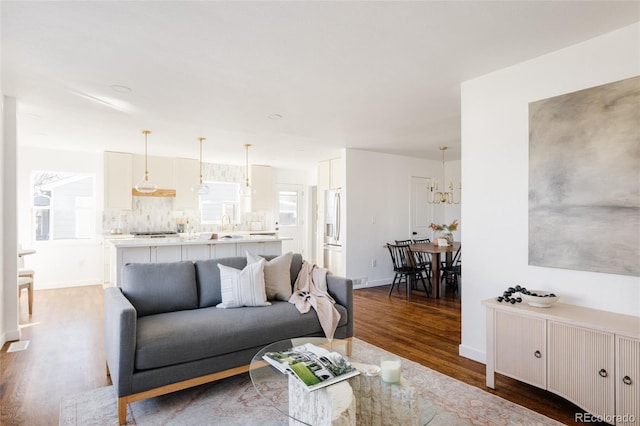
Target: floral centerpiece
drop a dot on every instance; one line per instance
(446, 230)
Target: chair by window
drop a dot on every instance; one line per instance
(451, 275)
(404, 267)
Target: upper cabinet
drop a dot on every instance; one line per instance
(187, 175)
(161, 171)
(262, 198)
(118, 180)
(331, 174)
(337, 173)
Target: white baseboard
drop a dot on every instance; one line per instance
(10, 336)
(472, 353)
(376, 283)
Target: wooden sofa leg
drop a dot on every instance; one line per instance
(122, 411)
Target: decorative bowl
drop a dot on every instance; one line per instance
(539, 298)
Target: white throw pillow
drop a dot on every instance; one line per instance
(277, 275)
(242, 288)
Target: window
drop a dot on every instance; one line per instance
(64, 206)
(223, 199)
(288, 208)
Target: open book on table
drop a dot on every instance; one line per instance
(312, 365)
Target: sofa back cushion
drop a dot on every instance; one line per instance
(154, 288)
(208, 276)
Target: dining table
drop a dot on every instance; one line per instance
(436, 251)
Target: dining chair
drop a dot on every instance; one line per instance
(26, 277)
(451, 274)
(404, 267)
(26, 283)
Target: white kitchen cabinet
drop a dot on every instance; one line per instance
(324, 175)
(163, 253)
(337, 173)
(118, 180)
(187, 174)
(628, 381)
(521, 350)
(262, 197)
(262, 248)
(161, 171)
(223, 250)
(591, 358)
(331, 174)
(581, 367)
(196, 252)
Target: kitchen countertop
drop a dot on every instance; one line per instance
(173, 241)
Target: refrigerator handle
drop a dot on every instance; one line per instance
(338, 219)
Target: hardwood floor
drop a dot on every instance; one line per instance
(66, 350)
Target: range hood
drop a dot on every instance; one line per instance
(156, 193)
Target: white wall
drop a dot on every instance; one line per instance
(378, 185)
(495, 180)
(60, 263)
(9, 329)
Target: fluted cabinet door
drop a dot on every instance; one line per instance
(628, 381)
(520, 348)
(581, 367)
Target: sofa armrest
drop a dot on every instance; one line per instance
(341, 289)
(120, 339)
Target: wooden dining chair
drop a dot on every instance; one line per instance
(451, 274)
(404, 268)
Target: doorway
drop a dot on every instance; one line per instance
(421, 210)
(289, 219)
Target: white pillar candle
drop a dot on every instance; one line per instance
(390, 370)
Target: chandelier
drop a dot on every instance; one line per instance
(436, 196)
(201, 188)
(145, 186)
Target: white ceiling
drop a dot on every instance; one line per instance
(381, 76)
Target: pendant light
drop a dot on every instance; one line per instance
(201, 188)
(145, 186)
(245, 191)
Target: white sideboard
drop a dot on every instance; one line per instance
(155, 250)
(587, 356)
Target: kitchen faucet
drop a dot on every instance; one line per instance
(222, 221)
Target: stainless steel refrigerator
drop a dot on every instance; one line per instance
(333, 231)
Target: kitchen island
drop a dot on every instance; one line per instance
(173, 249)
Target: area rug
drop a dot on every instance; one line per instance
(234, 401)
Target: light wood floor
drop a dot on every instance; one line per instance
(66, 351)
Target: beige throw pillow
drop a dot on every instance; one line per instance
(243, 288)
(277, 275)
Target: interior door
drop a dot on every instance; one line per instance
(421, 210)
(289, 219)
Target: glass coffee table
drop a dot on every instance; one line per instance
(374, 402)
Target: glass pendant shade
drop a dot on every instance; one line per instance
(201, 188)
(146, 187)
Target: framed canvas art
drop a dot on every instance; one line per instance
(584, 179)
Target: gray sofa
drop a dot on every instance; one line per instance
(163, 332)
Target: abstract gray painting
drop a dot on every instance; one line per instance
(584, 179)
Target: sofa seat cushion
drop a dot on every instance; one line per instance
(183, 336)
